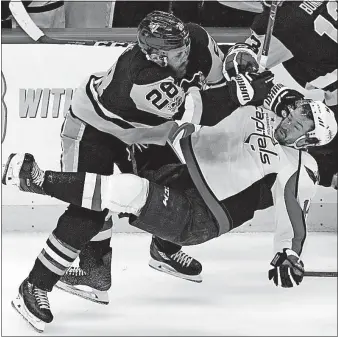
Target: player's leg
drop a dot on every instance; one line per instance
(75, 227)
(166, 256)
(96, 152)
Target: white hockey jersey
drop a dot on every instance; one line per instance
(226, 159)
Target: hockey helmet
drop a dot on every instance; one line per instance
(160, 32)
(325, 128)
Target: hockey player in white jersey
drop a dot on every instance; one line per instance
(253, 158)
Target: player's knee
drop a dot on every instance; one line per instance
(124, 193)
(78, 225)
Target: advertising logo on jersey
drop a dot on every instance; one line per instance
(262, 140)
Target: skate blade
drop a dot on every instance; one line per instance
(160, 266)
(9, 176)
(19, 305)
(87, 293)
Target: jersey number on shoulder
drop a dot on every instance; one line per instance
(323, 25)
(158, 97)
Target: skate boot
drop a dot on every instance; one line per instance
(91, 279)
(21, 170)
(33, 305)
(179, 264)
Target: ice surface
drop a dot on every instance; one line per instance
(234, 299)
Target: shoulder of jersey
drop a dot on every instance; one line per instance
(143, 71)
(196, 32)
(261, 20)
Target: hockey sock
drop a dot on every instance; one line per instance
(74, 229)
(100, 243)
(77, 188)
(52, 263)
(98, 249)
(65, 186)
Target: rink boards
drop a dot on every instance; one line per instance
(38, 82)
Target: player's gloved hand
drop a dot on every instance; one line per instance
(197, 81)
(280, 99)
(240, 59)
(288, 269)
(250, 87)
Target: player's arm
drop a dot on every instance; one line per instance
(293, 191)
(156, 99)
(278, 52)
(206, 54)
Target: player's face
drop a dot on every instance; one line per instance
(178, 60)
(293, 127)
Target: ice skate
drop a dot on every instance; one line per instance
(33, 305)
(91, 280)
(179, 264)
(21, 170)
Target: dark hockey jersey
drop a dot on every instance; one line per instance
(304, 43)
(136, 95)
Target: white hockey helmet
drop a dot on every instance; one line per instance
(325, 128)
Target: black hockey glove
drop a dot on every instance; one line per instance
(281, 100)
(288, 269)
(240, 59)
(198, 81)
(250, 87)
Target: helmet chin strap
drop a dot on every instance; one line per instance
(294, 144)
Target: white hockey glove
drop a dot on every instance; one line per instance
(280, 99)
(240, 59)
(288, 269)
(250, 87)
(198, 81)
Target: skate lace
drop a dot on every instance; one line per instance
(37, 175)
(182, 258)
(41, 298)
(76, 271)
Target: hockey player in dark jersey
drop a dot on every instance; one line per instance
(253, 158)
(303, 55)
(116, 117)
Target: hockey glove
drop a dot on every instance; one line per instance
(281, 100)
(197, 81)
(240, 59)
(288, 269)
(250, 87)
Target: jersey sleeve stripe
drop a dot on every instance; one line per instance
(295, 212)
(223, 220)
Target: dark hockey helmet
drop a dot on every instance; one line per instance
(160, 32)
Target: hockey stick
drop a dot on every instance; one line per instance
(267, 40)
(33, 31)
(320, 274)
